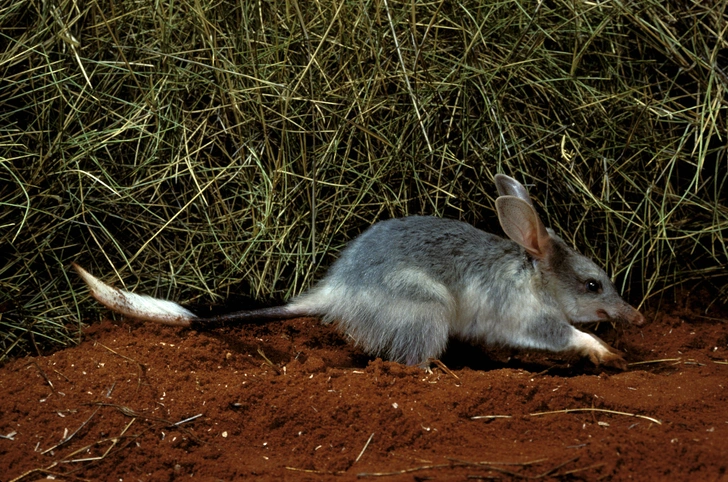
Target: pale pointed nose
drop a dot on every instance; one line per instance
(635, 317)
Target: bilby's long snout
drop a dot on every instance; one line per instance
(630, 314)
(638, 319)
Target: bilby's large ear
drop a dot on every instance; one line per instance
(520, 222)
(507, 186)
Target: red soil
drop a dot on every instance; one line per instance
(110, 409)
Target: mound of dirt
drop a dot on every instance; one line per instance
(294, 400)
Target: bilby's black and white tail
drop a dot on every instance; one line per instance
(141, 307)
(147, 308)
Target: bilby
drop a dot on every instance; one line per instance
(405, 286)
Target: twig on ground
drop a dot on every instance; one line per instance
(601, 410)
(268, 362)
(69, 437)
(444, 368)
(365, 447)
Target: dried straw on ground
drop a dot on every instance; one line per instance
(202, 151)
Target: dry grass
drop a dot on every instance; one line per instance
(202, 151)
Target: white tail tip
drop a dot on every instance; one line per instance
(132, 305)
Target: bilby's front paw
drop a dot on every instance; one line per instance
(609, 358)
(597, 351)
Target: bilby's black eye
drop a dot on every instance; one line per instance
(593, 286)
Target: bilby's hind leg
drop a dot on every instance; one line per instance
(403, 316)
(404, 332)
